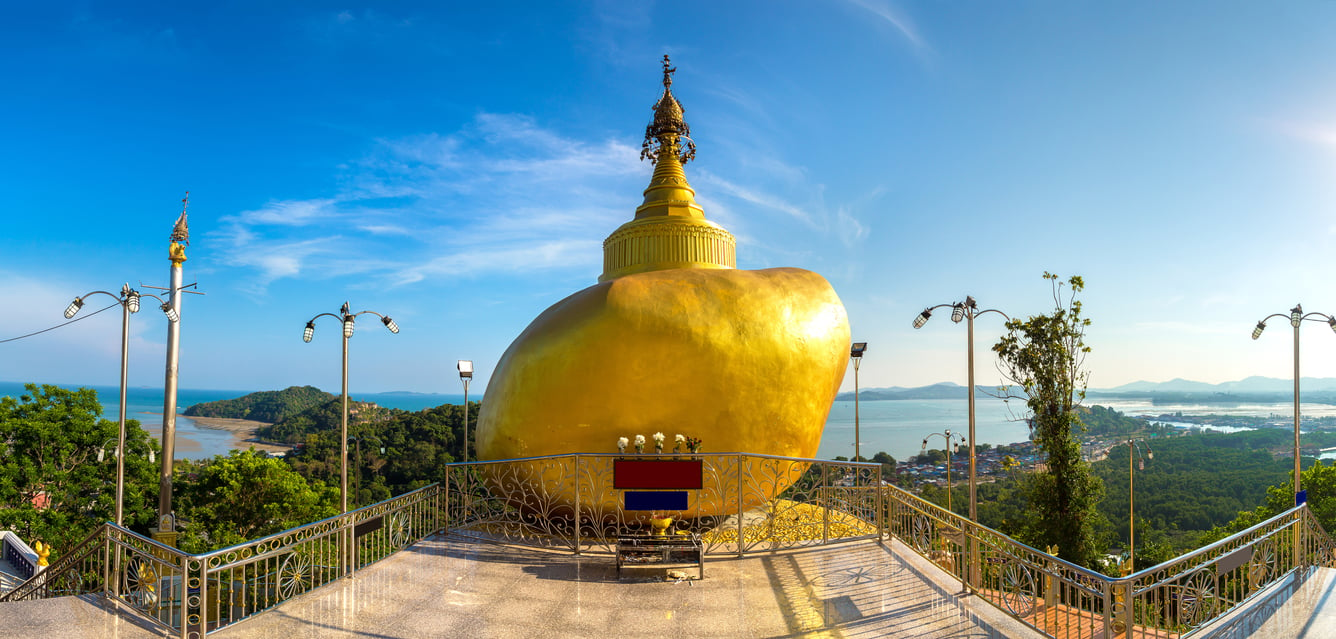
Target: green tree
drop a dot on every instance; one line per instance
(1044, 356)
(887, 465)
(230, 499)
(1319, 481)
(52, 486)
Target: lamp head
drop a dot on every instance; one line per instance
(1296, 315)
(1257, 332)
(130, 297)
(170, 312)
(922, 318)
(73, 307)
(465, 367)
(957, 312)
(349, 323)
(308, 332)
(1331, 321)
(389, 323)
(856, 350)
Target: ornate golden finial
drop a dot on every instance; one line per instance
(668, 131)
(668, 72)
(180, 234)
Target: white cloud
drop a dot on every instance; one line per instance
(892, 17)
(500, 195)
(762, 200)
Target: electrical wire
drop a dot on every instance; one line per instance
(113, 305)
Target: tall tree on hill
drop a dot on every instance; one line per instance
(1043, 357)
(53, 488)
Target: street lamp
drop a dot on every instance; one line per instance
(1134, 448)
(465, 367)
(1296, 315)
(856, 353)
(950, 444)
(129, 301)
(349, 320)
(967, 310)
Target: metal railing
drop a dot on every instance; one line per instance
(19, 555)
(1060, 599)
(193, 595)
(746, 503)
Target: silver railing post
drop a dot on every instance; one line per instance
(578, 457)
(739, 496)
(827, 491)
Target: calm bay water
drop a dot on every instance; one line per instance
(894, 426)
(196, 442)
(898, 426)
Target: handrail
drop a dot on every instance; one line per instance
(1178, 598)
(19, 554)
(61, 575)
(193, 595)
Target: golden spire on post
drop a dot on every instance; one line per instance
(669, 229)
(180, 234)
(666, 132)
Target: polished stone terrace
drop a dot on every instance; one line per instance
(451, 587)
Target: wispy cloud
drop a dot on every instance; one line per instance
(500, 195)
(894, 18)
(1322, 134)
(760, 199)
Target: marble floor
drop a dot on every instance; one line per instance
(447, 587)
(451, 587)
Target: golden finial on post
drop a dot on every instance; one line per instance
(180, 234)
(668, 72)
(668, 133)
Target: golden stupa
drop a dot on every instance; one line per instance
(673, 339)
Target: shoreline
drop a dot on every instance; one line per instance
(242, 431)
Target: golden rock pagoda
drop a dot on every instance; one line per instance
(673, 339)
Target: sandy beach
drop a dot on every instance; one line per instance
(242, 432)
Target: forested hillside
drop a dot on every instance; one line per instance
(264, 406)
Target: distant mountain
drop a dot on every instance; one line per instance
(1250, 385)
(1264, 389)
(943, 390)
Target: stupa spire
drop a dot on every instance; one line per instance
(669, 229)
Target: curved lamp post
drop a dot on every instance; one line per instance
(950, 444)
(967, 310)
(856, 353)
(1295, 316)
(129, 301)
(349, 320)
(465, 367)
(1134, 450)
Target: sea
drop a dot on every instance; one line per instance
(897, 427)
(198, 442)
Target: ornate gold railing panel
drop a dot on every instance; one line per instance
(756, 502)
(192, 595)
(1060, 599)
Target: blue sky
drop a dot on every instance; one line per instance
(457, 167)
